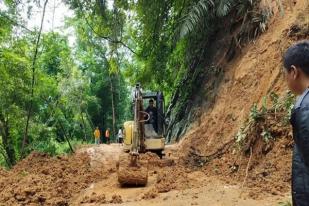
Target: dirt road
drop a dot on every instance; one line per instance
(190, 188)
(89, 178)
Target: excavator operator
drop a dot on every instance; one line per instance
(152, 111)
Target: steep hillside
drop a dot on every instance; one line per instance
(211, 67)
(254, 74)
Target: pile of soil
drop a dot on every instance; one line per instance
(150, 194)
(101, 199)
(116, 199)
(170, 178)
(94, 198)
(154, 160)
(42, 179)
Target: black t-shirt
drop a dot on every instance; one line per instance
(152, 111)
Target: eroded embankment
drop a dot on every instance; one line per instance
(262, 165)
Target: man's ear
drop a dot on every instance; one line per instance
(294, 72)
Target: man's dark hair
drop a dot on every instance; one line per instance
(150, 100)
(298, 55)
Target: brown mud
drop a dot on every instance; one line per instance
(73, 180)
(43, 180)
(263, 168)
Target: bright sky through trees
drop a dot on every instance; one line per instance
(56, 12)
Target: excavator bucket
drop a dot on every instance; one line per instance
(132, 171)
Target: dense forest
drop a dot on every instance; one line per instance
(53, 93)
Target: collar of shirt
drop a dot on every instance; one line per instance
(301, 98)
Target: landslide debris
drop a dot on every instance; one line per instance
(261, 160)
(44, 180)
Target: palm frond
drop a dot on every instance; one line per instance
(224, 7)
(204, 9)
(195, 15)
(243, 7)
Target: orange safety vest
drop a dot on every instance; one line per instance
(97, 134)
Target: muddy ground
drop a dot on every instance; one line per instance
(89, 178)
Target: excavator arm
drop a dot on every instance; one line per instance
(131, 169)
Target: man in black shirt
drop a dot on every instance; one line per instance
(152, 111)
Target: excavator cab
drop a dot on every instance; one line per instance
(154, 140)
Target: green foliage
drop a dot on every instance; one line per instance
(201, 13)
(55, 56)
(170, 35)
(241, 135)
(266, 135)
(54, 147)
(285, 104)
(282, 105)
(68, 99)
(258, 114)
(254, 113)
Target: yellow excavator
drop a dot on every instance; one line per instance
(140, 136)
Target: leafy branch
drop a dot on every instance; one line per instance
(107, 38)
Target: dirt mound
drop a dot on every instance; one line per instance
(102, 154)
(150, 194)
(41, 179)
(94, 198)
(100, 199)
(155, 161)
(172, 178)
(116, 199)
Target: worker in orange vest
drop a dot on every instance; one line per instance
(97, 135)
(107, 136)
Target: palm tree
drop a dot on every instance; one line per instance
(204, 10)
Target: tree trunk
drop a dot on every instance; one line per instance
(66, 137)
(32, 82)
(113, 105)
(84, 126)
(90, 121)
